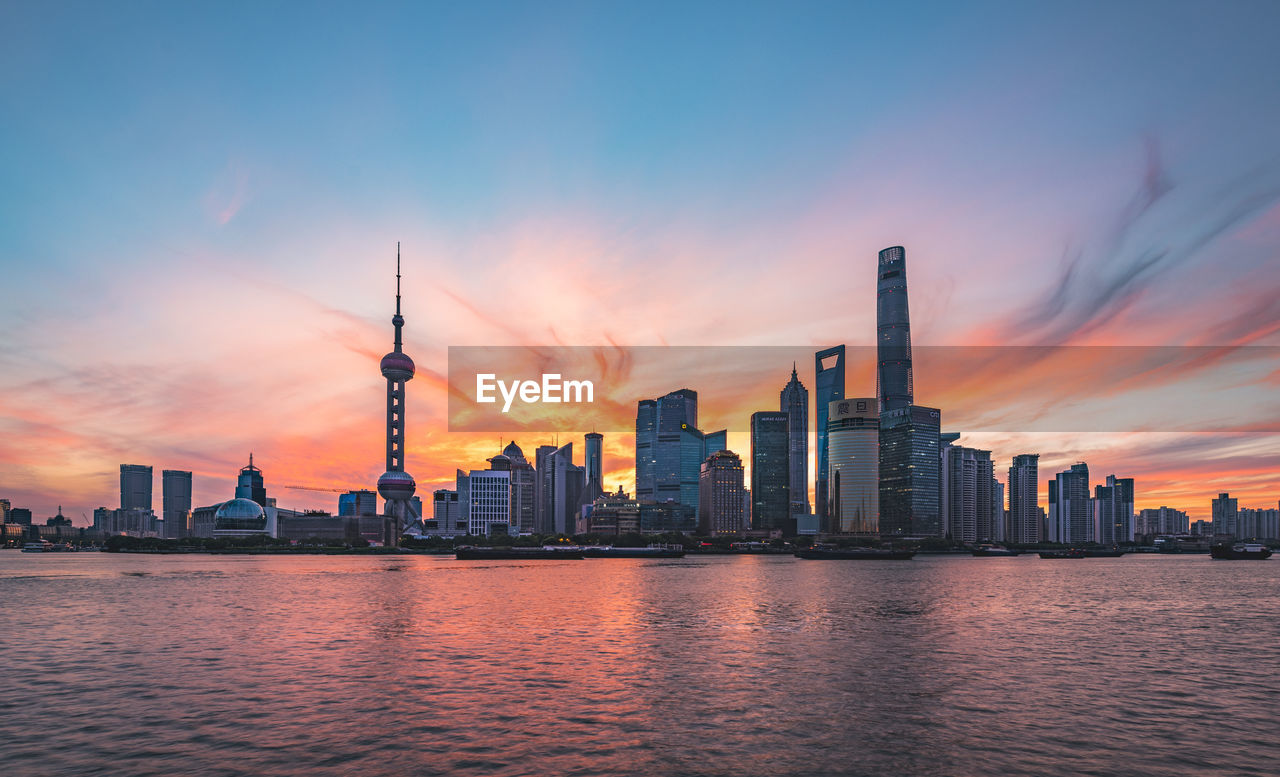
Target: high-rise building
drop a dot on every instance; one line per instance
(1071, 506)
(135, 487)
(446, 514)
(910, 438)
(721, 501)
(360, 502)
(1024, 499)
(1000, 531)
(176, 499)
(1161, 520)
(828, 368)
(560, 490)
(594, 463)
(250, 485)
(646, 441)
(523, 489)
(1113, 511)
(771, 472)
(489, 502)
(853, 477)
(794, 401)
(967, 503)
(893, 332)
(396, 485)
(670, 448)
(5, 506)
(1226, 514)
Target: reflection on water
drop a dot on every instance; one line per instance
(327, 665)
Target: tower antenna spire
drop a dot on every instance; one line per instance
(397, 277)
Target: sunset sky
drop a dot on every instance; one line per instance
(201, 203)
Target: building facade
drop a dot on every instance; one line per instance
(909, 471)
(853, 472)
(176, 502)
(794, 401)
(828, 370)
(135, 487)
(771, 472)
(1071, 506)
(722, 502)
(1025, 522)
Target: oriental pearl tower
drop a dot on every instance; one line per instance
(396, 485)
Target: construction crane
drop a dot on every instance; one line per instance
(332, 490)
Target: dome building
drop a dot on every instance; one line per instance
(239, 517)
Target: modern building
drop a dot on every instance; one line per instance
(670, 448)
(19, 516)
(1025, 523)
(1113, 511)
(910, 464)
(721, 508)
(523, 489)
(489, 502)
(794, 401)
(250, 484)
(561, 485)
(967, 500)
(893, 332)
(594, 464)
(135, 487)
(1071, 506)
(1226, 514)
(543, 514)
(771, 472)
(853, 476)
(5, 506)
(828, 369)
(1161, 520)
(176, 500)
(360, 502)
(240, 517)
(1000, 531)
(446, 515)
(1258, 523)
(395, 485)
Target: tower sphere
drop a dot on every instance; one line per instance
(397, 366)
(396, 485)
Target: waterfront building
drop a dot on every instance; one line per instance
(543, 513)
(853, 474)
(771, 472)
(670, 448)
(561, 485)
(594, 464)
(721, 500)
(446, 515)
(176, 502)
(828, 369)
(1162, 520)
(19, 516)
(1113, 511)
(910, 466)
(613, 515)
(967, 503)
(523, 489)
(893, 332)
(240, 517)
(1071, 506)
(396, 485)
(489, 502)
(360, 502)
(135, 487)
(794, 401)
(1000, 530)
(1258, 523)
(1225, 513)
(5, 506)
(250, 485)
(1025, 517)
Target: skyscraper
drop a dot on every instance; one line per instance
(910, 435)
(1071, 506)
(853, 439)
(1113, 511)
(594, 463)
(135, 487)
(489, 502)
(794, 401)
(396, 485)
(968, 507)
(1226, 514)
(250, 485)
(771, 472)
(721, 501)
(562, 486)
(361, 502)
(1024, 499)
(176, 500)
(893, 332)
(523, 489)
(910, 465)
(676, 448)
(828, 367)
(646, 441)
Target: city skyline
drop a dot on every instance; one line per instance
(183, 271)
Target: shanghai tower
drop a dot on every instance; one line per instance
(893, 332)
(910, 435)
(396, 485)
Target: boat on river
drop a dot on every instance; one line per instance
(653, 551)
(1066, 553)
(1239, 551)
(992, 551)
(474, 553)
